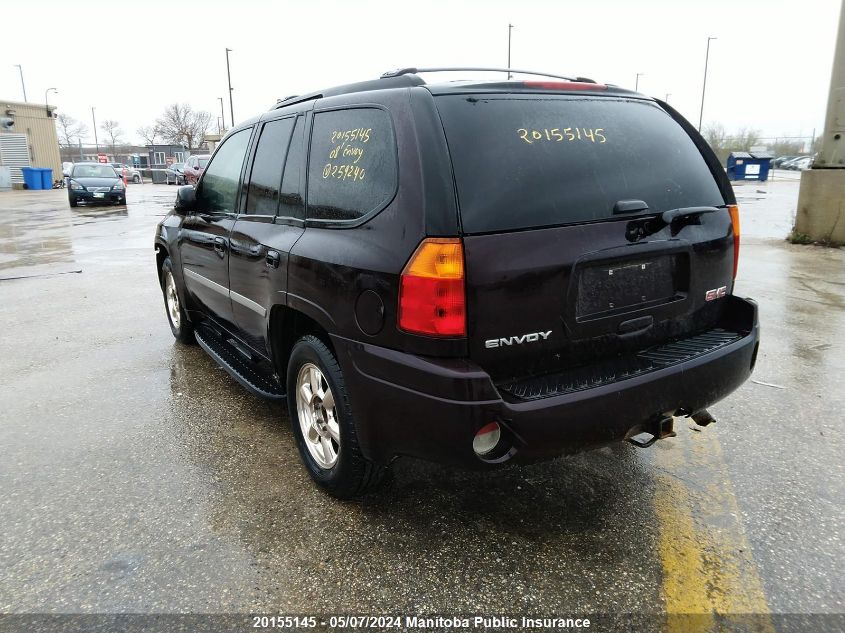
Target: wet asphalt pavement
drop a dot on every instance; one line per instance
(136, 476)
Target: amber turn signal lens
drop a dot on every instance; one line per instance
(734, 211)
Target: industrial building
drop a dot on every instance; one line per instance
(28, 138)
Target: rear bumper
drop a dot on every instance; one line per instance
(432, 408)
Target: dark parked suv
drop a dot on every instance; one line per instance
(472, 272)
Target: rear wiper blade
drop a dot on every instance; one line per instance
(685, 212)
(675, 218)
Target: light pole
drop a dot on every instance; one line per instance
(94, 119)
(222, 116)
(47, 94)
(668, 94)
(510, 28)
(229, 77)
(23, 86)
(637, 82)
(704, 84)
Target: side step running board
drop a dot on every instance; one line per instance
(248, 374)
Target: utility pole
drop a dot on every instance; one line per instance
(222, 116)
(94, 119)
(229, 77)
(637, 82)
(23, 86)
(704, 84)
(823, 187)
(510, 28)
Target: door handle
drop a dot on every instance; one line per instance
(220, 245)
(273, 259)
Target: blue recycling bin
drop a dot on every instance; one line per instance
(46, 178)
(31, 177)
(748, 166)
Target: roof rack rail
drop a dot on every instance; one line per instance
(413, 71)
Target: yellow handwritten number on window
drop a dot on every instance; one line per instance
(555, 135)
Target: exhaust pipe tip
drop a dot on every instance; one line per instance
(702, 418)
(492, 444)
(486, 439)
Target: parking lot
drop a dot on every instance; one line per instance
(138, 477)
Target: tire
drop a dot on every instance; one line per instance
(182, 328)
(136, 179)
(349, 474)
(72, 201)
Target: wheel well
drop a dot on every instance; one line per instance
(287, 326)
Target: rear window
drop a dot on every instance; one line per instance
(532, 162)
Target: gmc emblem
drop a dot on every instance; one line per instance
(716, 293)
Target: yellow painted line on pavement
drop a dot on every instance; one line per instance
(708, 568)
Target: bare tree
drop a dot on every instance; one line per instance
(786, 147)
(180, 124)
(742, 141)
(70, 130)
(715, 135)
(149, 133)
(113, 132)
(745, 139)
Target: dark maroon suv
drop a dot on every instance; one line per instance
(474, 272)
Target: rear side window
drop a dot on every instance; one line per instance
(267, 166)
(352, 165)
(532, 162)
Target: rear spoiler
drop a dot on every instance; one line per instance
(706, 152)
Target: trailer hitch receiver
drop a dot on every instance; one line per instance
(659, 428)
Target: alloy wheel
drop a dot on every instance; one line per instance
(317, 416)
(172, 299)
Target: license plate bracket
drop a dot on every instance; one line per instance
(617, 286)
(99, 194)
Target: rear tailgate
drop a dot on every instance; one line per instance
(555, 277)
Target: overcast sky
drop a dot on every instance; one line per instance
(769, 68)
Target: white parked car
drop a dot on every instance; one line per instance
(805, 162)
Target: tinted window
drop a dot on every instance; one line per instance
(219, 188)
(352, 165)
(291, 197)
(263, 193)
(528, 162)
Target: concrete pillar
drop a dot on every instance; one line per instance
(821, 199)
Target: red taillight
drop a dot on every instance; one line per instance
(734, 211)
(431, 289)
(564, 85)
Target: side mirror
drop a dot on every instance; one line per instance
(186, 199)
